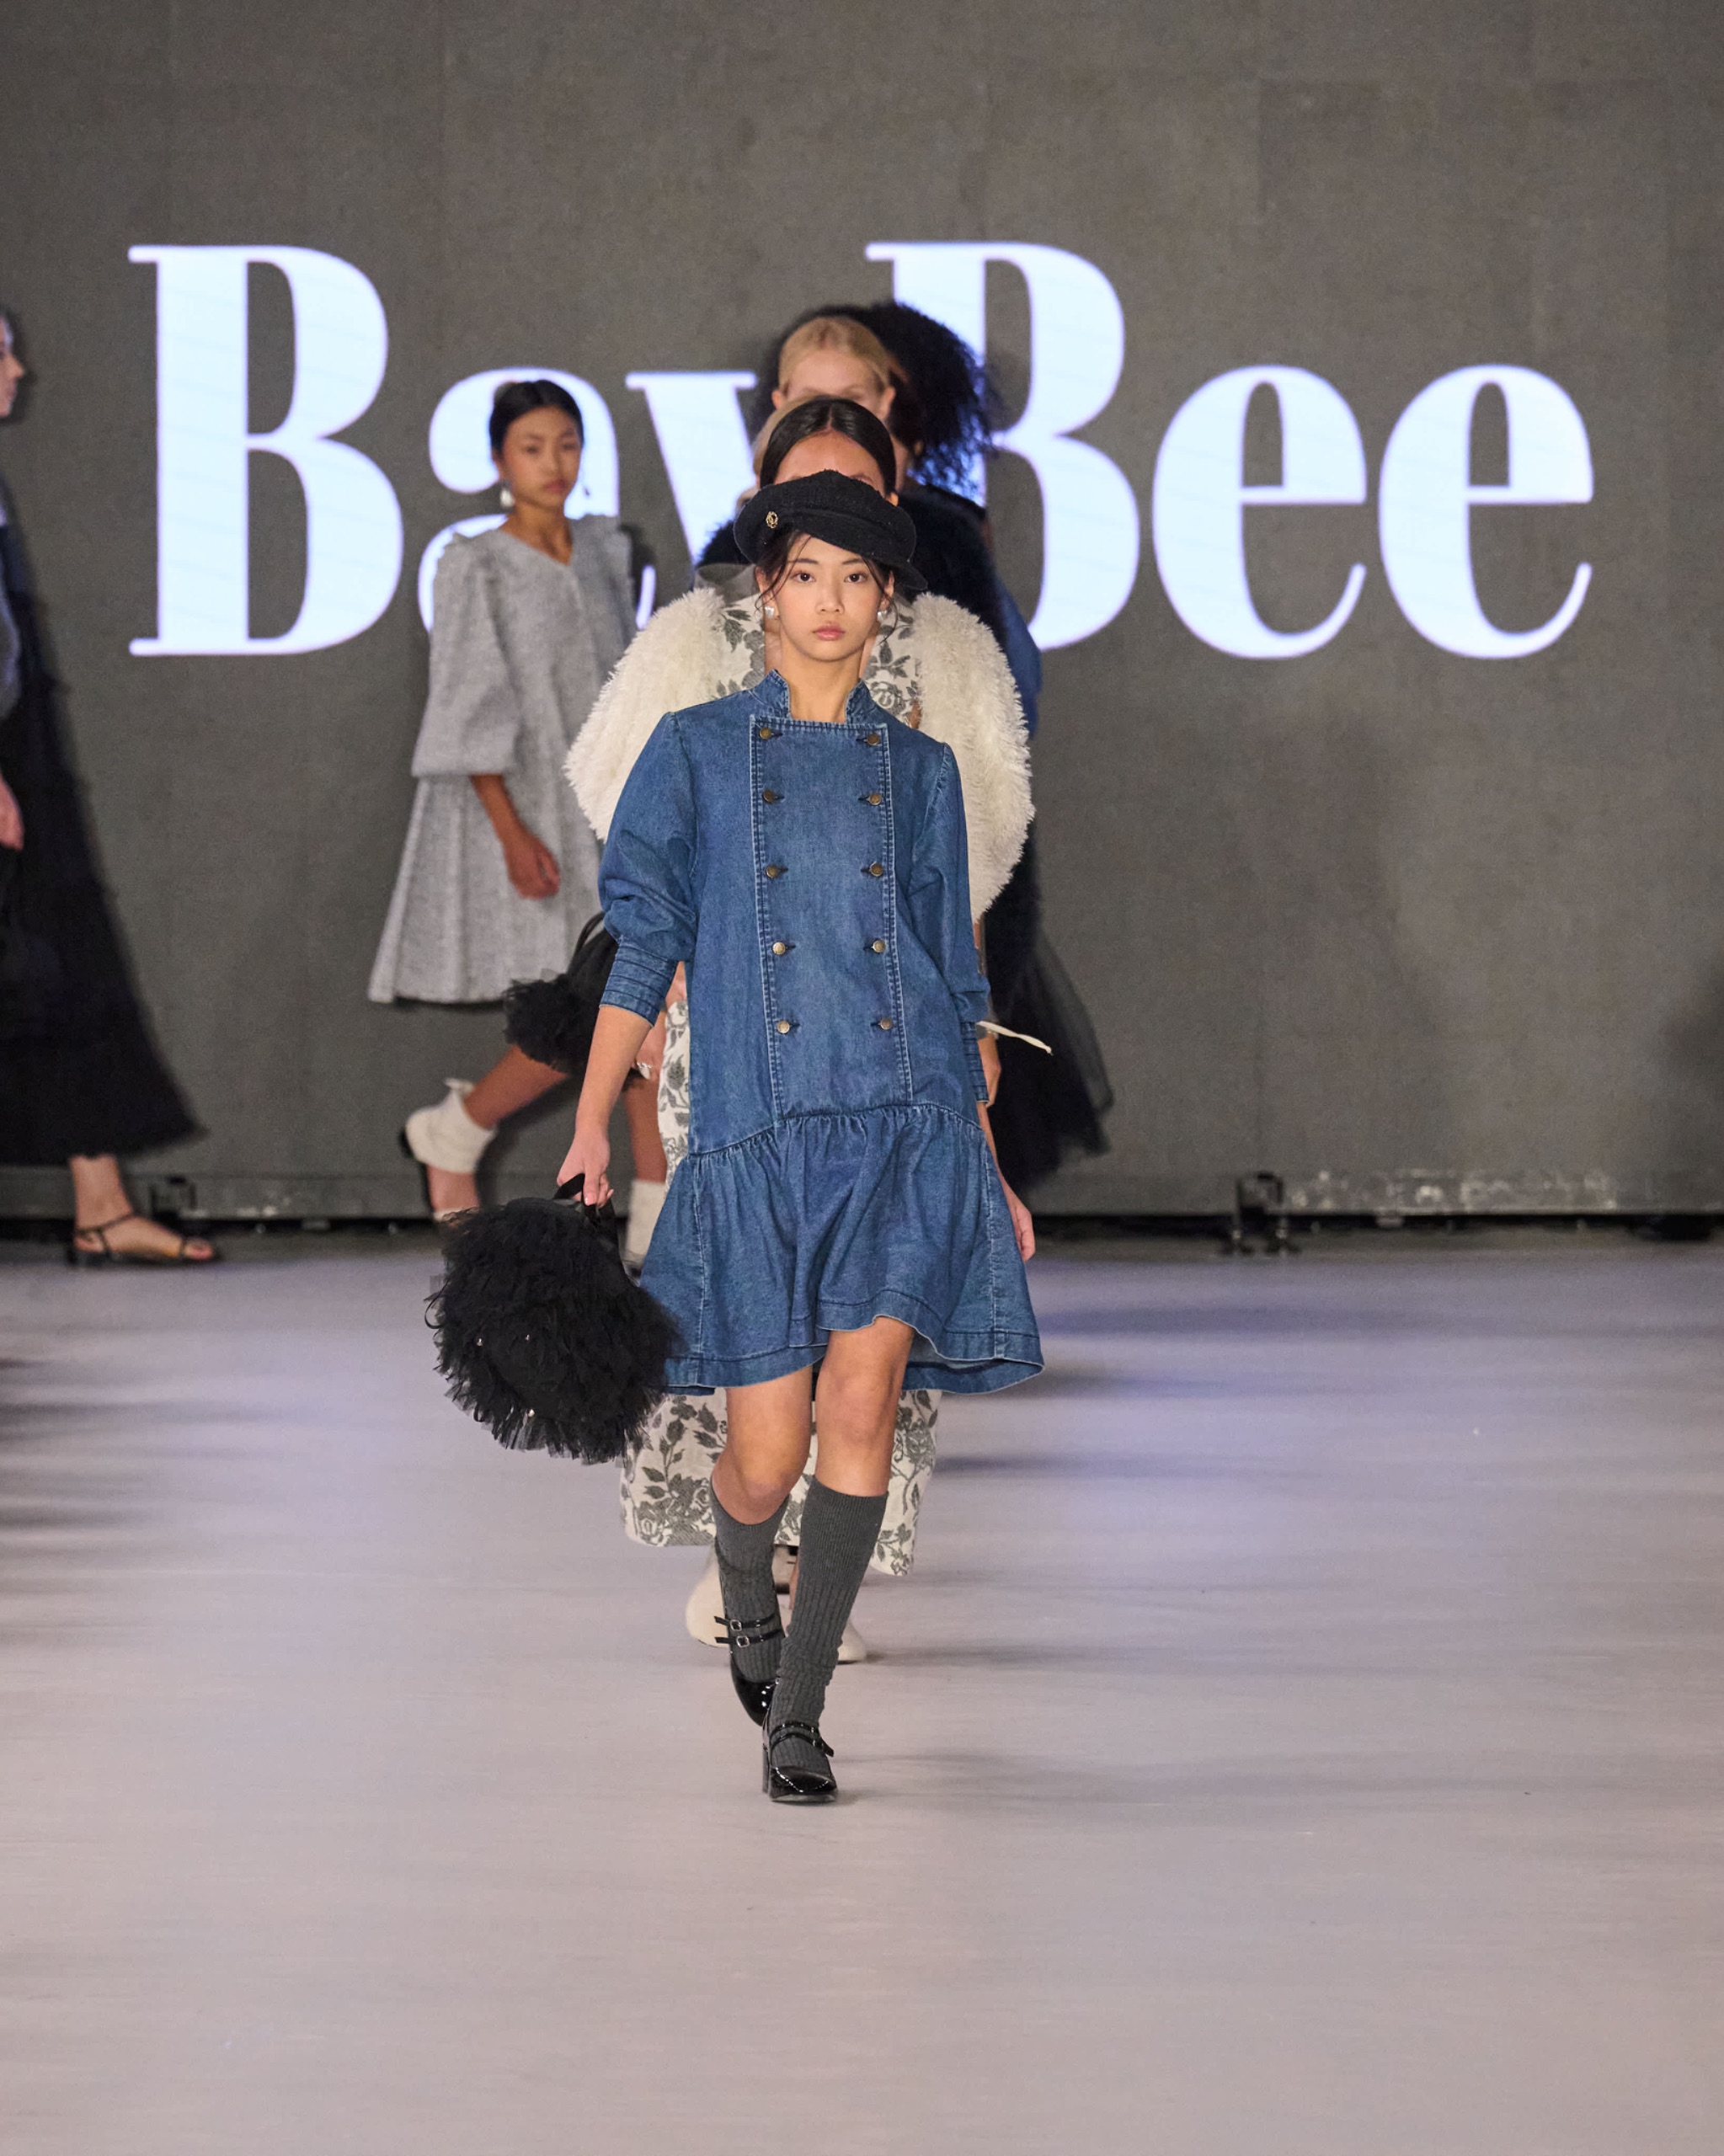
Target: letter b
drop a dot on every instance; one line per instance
(353, 522)
(1090, 535)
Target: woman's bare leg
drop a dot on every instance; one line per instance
(860, 1383)
(98, 1193)
(512, 1083)
(770, 1428)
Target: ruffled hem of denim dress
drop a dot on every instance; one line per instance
(844, 1217)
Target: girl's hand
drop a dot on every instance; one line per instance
(532, 866)
(616, 1043)
(11, 819)
(589, 1157)
(1023, 1226)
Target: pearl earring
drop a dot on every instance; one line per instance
(881, 616)
(505, 497)
(767, 607)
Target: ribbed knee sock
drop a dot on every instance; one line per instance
(745, 1577)
(838, 1538)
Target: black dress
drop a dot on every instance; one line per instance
(1049, 1106)
(78, 1071)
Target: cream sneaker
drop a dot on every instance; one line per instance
(704, 1614)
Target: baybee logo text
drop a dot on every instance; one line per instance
(1090, 538)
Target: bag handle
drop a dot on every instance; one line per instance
(569, 1194)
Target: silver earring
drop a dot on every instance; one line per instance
(504, 496)
(881, 616)
(767, 607)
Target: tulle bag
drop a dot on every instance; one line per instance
(542, 1335)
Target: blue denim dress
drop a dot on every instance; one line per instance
(812, 877)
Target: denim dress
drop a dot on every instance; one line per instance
(813, 880)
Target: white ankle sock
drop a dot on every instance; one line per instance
(446, 1136)
(646, 1202)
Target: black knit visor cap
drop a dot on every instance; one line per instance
(844, 512)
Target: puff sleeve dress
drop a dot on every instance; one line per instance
(813, 880)
(520, 647)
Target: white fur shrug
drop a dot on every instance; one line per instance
(967, 696)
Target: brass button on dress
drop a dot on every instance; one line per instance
(884, 1024)
(779, 949)
(770, 796)
(873, 868)
(774, 869)
(877, 945)
(871, 740)
(784, 1025)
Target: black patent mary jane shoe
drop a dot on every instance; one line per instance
(795, 1784)
(755, 1693)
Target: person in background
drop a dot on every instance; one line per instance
(498, 873)
(81, 1080)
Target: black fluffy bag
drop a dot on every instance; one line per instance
(542, 1335)
(552, 1021)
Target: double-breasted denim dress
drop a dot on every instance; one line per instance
(812, 878)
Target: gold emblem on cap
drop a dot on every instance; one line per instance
(771, 520)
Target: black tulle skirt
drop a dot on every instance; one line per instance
(78, 1071)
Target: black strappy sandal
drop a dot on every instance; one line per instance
(755, 1694)
(107, 1254)
(795, 1784)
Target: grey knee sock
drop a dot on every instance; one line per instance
(750, 1599)
(838, 1538)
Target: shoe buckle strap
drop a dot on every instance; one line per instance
(805, 1731)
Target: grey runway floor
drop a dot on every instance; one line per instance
(1301, 1737)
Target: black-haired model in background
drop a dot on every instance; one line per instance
(80, 1080)
(499, 870)
(932, 392)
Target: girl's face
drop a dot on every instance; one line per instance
(540, 460)
(828, 372)
(830, 452)
(12, 370)
(829, 602)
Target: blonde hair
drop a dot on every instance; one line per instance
(837, 332)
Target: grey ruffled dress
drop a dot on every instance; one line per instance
(520, 647)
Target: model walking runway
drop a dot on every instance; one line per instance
(1299, 1733)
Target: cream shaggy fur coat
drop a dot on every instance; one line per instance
(965, 692)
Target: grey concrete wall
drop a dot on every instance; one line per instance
(1378, 910)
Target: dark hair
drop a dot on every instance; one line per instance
(945, 410)
(514, 400)
(830, 415)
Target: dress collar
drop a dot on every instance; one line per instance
(773, 691)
